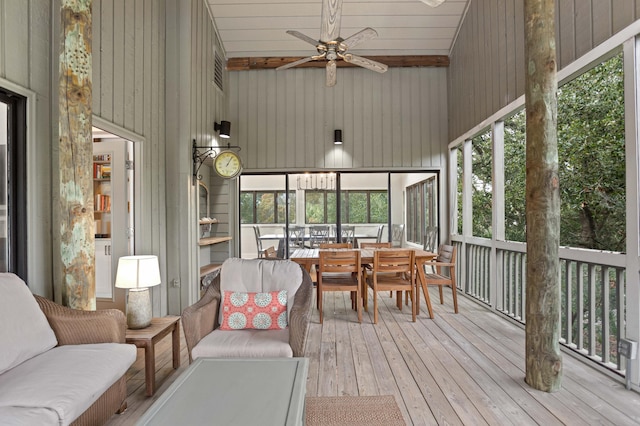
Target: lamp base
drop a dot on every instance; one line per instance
(139, 308)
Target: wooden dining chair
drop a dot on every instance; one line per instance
(393, 270)
(270, 253)
(339, 270)
(368, 267)
(335, 246)
(444, 272)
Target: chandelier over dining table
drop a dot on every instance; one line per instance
(317, 182)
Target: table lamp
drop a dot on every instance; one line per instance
(137, 274)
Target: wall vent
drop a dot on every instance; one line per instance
(218, 71)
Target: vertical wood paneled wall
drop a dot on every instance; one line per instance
(284, 120)
(128, 87)
(193, 104)
(25, 65)
(129, 91)
(487, 61)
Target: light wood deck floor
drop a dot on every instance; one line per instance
(465, 368)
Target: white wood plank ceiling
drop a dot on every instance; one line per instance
(405, 27)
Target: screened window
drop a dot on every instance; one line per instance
(265, 207)
(364, 207)
(591, 154)
(515, 177)
(320, 207)
(421, 209)
(481, 185)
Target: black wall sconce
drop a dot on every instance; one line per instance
(224, 127)
(337, 137)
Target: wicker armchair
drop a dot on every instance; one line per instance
(202, 318)
(74, 327)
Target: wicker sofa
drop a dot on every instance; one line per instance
(59, 366)
(201, 321)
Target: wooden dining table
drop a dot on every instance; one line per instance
(307, 257)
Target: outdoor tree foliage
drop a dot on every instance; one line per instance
(591, 164)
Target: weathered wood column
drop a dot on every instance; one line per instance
(543, 360)
(77, 240)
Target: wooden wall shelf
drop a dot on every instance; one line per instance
(212, 240)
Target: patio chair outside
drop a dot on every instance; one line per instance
(318, 234)
(397, 234)
(256, 231)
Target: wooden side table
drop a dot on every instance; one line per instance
(146, 338)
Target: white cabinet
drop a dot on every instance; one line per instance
(104, 277)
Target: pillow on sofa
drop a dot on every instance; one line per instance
(261, 311)
(25, 331)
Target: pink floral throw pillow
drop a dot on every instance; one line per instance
(262, 311)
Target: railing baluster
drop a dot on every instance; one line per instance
(580, 306)
(604, 312)
(591, 275)
(585, 307)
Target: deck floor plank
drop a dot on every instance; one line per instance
(465, 368)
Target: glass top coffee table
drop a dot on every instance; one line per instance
(227, 391)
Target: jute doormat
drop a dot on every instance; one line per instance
(353, 410)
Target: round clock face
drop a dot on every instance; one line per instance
(227, 164)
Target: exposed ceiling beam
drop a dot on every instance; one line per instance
(261, 63)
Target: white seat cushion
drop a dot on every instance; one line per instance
(65, 380)
(244, 344)
(25, 331)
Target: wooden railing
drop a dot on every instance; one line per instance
(592, 292)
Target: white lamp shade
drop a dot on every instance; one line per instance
(138, 272)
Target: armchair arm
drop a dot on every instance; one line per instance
(441, 264)
(201, 318)
(300, 315)
(74, 327)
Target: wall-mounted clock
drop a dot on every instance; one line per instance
(227, 164)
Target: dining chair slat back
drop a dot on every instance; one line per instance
(339, 270)
(393, 270)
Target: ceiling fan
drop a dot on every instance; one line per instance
(331, 47)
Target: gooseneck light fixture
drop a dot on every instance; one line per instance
(337, 137)
(137, 274)
(224, 127)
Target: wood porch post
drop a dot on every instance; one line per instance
(543, 360)
(77, 239)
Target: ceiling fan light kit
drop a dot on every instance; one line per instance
(331, 47)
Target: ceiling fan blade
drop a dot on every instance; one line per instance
(330, 21)
(366, 63)
(294, 63)
(359, 37)
(433, 3)
(303, 37)
(331, 73)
